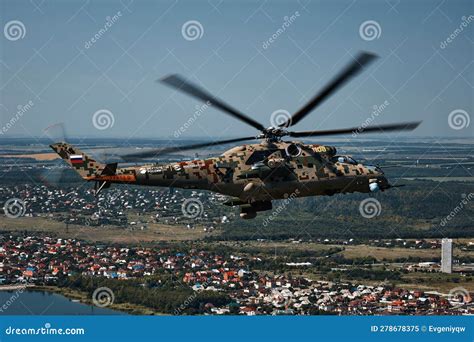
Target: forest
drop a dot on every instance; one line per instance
(416, 210)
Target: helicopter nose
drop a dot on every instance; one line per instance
(376, 169)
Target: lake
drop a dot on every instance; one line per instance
(47, 303)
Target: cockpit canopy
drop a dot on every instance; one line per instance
(259, 156)
(344, 159)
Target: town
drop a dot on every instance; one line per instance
(79, 205)
(43, 260)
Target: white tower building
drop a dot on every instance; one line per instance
(447, 255)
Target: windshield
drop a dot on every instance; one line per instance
(351, 161)
(345, 159)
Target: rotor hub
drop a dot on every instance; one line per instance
(273, 133)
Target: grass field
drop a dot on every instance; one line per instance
(350, 251)
(438, 281)
(109, 234)
(380, 253)
(278, 247)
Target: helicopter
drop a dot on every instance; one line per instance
(254, 174)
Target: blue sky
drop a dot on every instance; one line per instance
(67, 82)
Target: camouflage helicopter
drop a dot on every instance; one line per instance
(251, 175)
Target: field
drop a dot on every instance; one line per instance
(439, 282)
(105, 234)
(391, 254)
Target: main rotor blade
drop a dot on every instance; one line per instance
(179, 83)
(166, 150)
(351, 70)
(406, 126)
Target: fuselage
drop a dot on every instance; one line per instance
(263, 172)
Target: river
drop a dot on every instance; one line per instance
(32, 302)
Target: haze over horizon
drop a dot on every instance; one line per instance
(258, 57)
